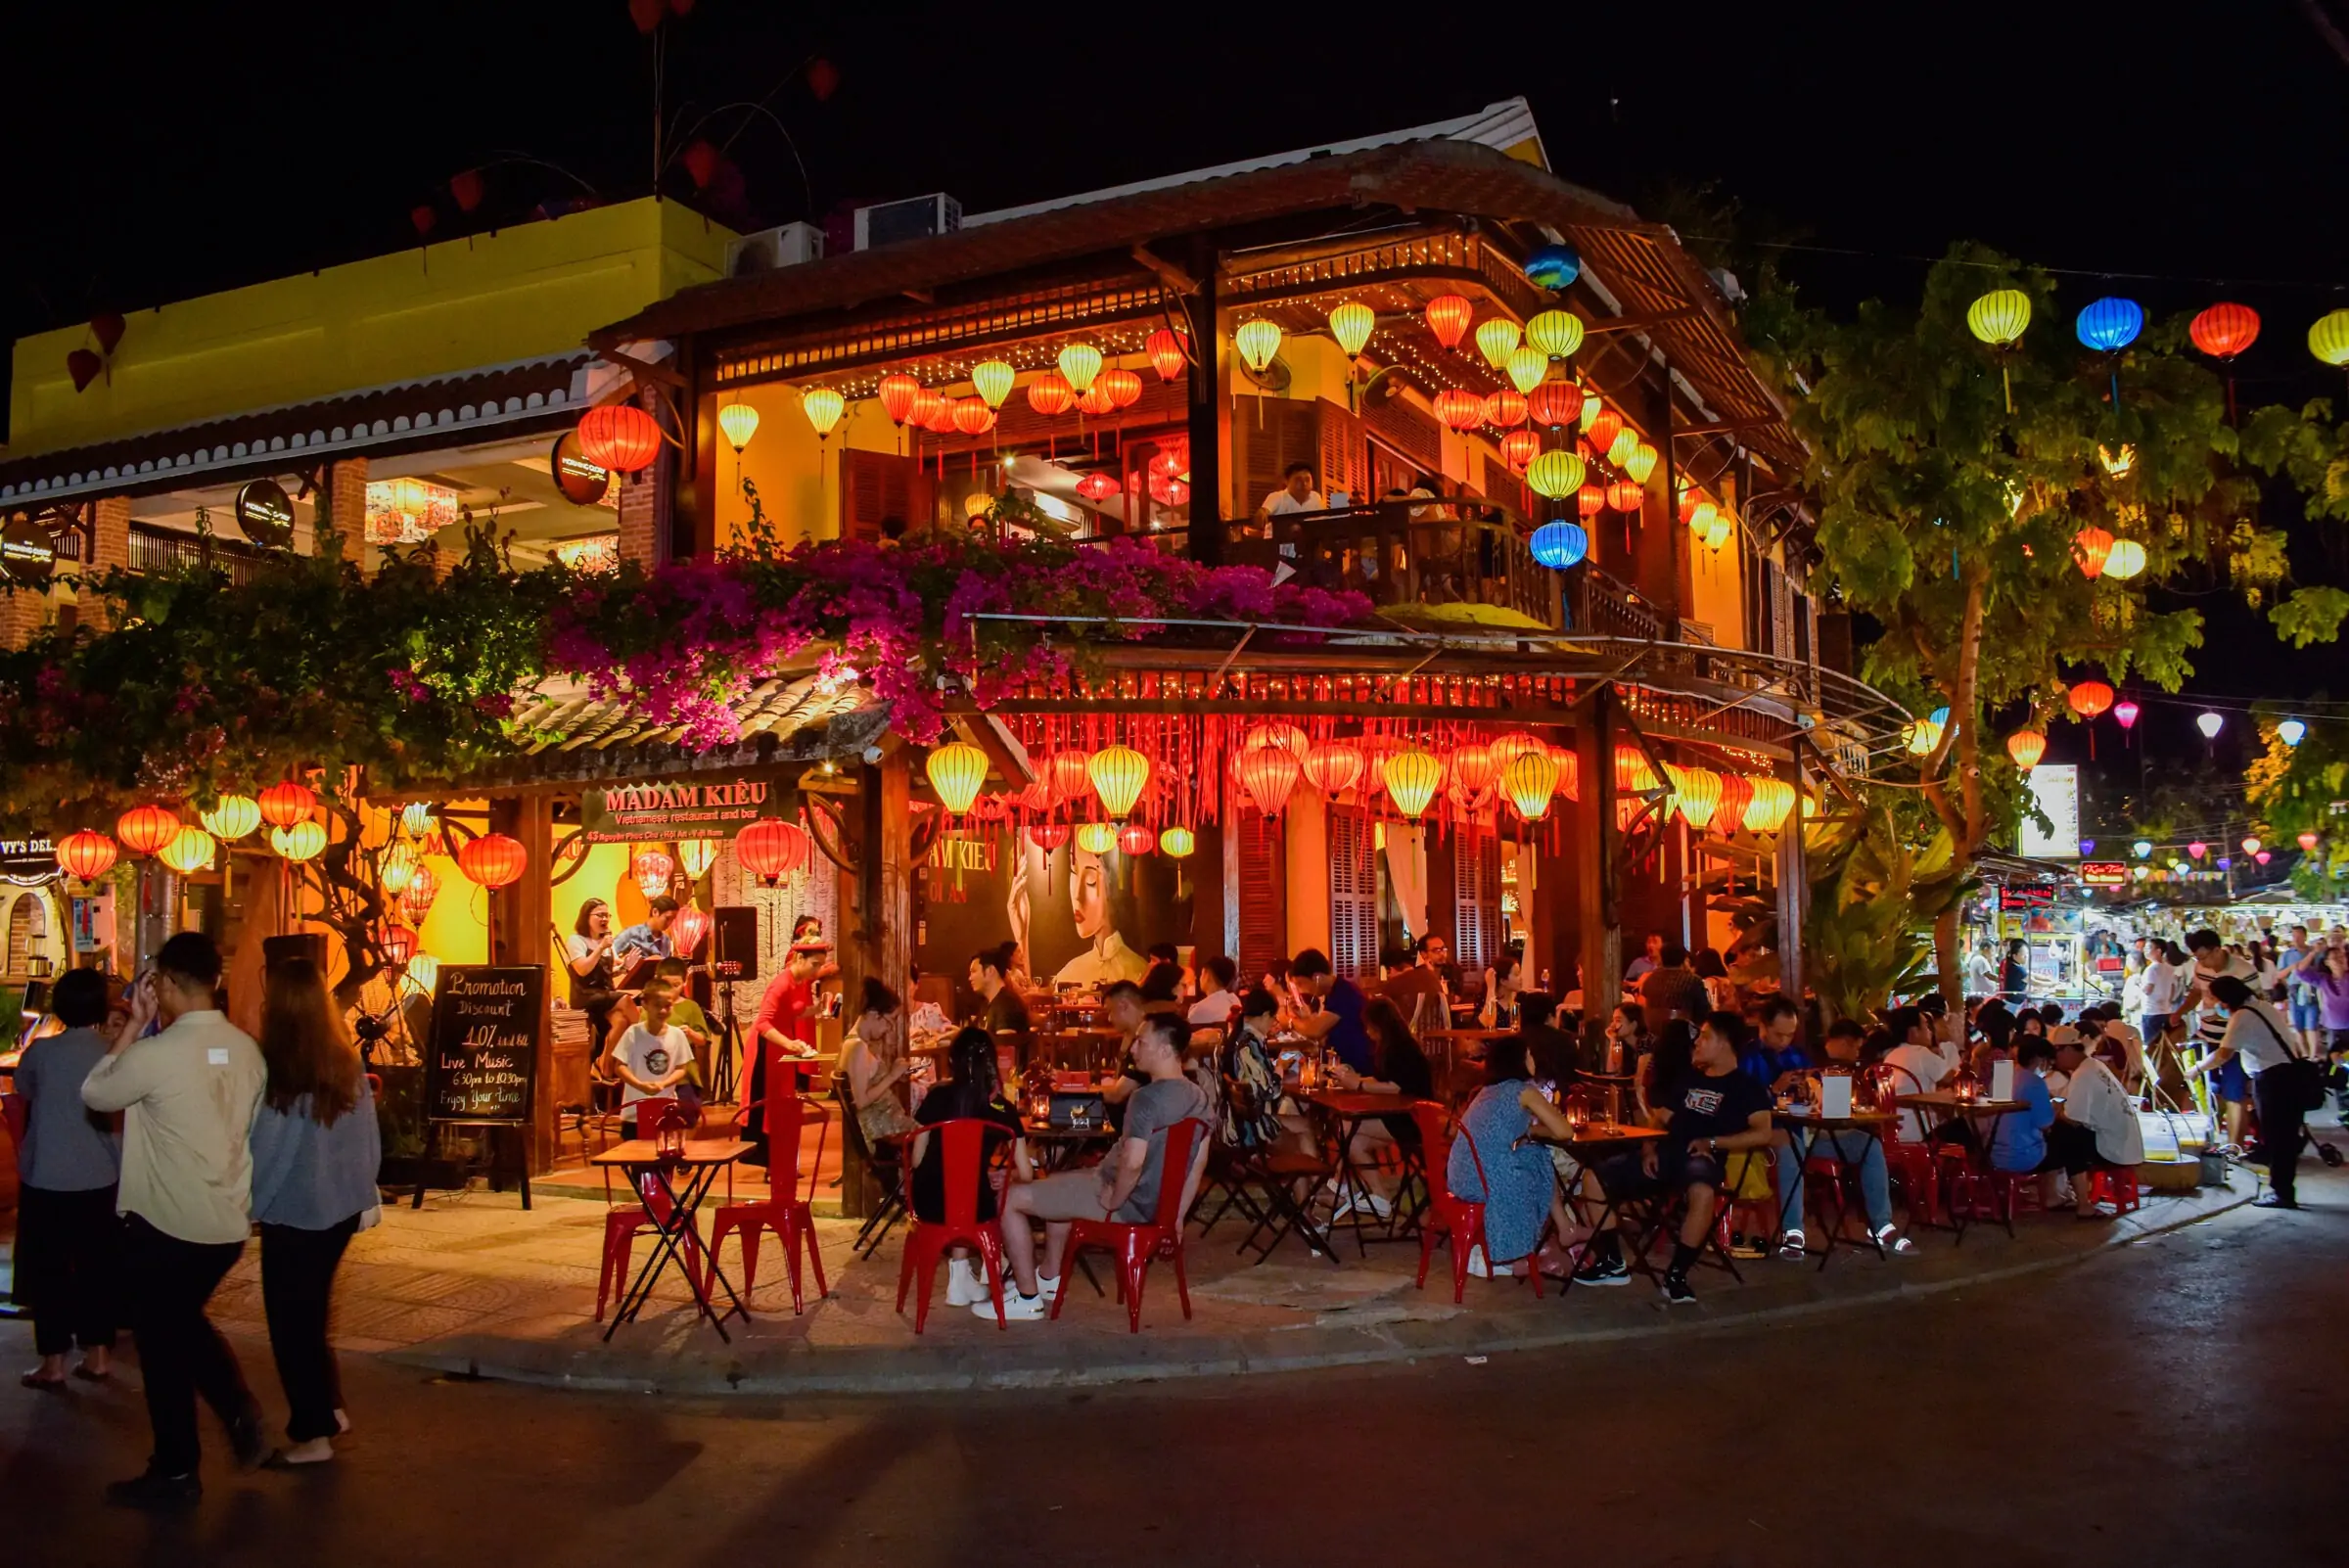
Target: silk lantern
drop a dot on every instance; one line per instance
(2000, 317)
(651, 870)
(2224, 330)
(1097, 838)
(1050, 394)
(1071, 774)
(1519, 449)
(1556, 333)
(1602, 428)
(1696, 792)
(395, 868)
(1773, 803)
(1641, 463)
(304, 840)
(1554, 476)
(493, 860)
(897, 393)
(740, 422)
(2088, 698)
(1504, 408)
(2292, 732)
(1625, 495)
(1528, 368)
(1178, 842)
(286, 803)
(1269, 773)
(1473, 767)
(1123, 386)
(1288, 736)
(972, 416)
(1559, 545)
(1529, 781)
(2328, 338)
(146, 829)
(1167, 355)
(934, 411)
(1592, 406)
(2251, 844)
(2308, 842)
(232, 817)
(1554, 403)
(1448, 317)
(619, 436)
(1136, 838)
(2127, 559)
(2092, 547)
(2026, 747)
(2110, 324)
(190, 850)
(1334, 767)
(1081, 362)
(823, 406)
(417, 901)
(991, 380)
(697, 856)
(1497, 338)
(1590, 500)
(1459, 409)
(1621, 450)
(1507, 747)
(2126, 712)
(770, 849)
(416, 816)
(1411, 777)
(1737, 793)
(1119, 775)
(86, 854)
(1553, 267)
(1048, 836)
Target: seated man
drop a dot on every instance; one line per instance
(1711, 1110)
(1851, 1145)
(1776, 1056)
(2098, 1126)
(1123, 1187)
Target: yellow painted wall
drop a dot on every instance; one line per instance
(1716, 590)
(536, 289)
(782, 461)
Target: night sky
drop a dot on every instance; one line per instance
(2177, 154)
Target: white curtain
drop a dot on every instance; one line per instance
(1407, 874)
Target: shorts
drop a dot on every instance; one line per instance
(1069, 1195)
(2306, 1014)
(2231, 1082)
(1622, 1176)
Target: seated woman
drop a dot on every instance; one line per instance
(973, 1091)
(1667, 1059)
(2020, 1142)
(1397, 1067)
(875, 1067)
(1252, 1119)
(1517, 1189)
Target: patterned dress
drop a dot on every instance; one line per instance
(1520, 1177)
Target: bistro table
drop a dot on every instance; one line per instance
(1350, 1109)
(1592, 1142)
(1613, 1084)
(682, 1180)
(1806, 1125)
(1938, 1108)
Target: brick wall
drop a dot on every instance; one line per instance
(345, 510)
(110, 547)
(23, 611)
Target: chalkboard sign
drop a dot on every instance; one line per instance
(483, 1058)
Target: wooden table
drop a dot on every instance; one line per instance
(1590, 1143)
(1805, 1123)
(649, 1173)
(1943, 1107)
(1350, 1109)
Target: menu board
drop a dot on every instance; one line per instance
(483, 1058)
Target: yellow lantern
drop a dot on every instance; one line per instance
(1593, 407)
(1175, 843)
(1497, 338)
(233, 817)
(1097, 838)
(823, 407)
(1528, 367)
(416, 816)
(978, 504)
(1696, 792)
(190, 850)
(1700, 518)
(992, 378)
(1719, 530)
(740, 422)
(697, 856)
(1556, 474)
(2124, 561)
(957, 770)
(1120, 774)
(302, 842)
(1556, 333)
(1766, 812)
(1080, 362)
(2000, 316)
(395, 869)
(1352, 324)
(1258, 342)
(1626, 442)
(1411, 780)
(2026, 747)
(2328, 338)
(1641, 464)
(1529, 780)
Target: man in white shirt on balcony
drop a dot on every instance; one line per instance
(1296, 494)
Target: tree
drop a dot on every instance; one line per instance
(1961, 490)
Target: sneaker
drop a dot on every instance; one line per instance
(150, 1490)
(1341, 1207)
(1017, 1308)
(1676, 1292)
(965, 1284)
(1378, 1206)
(1046, 1285)
(1476, 1262)
(1792, 1244)
(2269, 1200)
(1597, 1270)
(1892, 1241)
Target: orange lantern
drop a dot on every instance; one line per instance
(1507, 748)
(1554, 403)
(897, 393)
(1633, 775)
(1570, 772)
(284, 805)
(1167, 357)
(1473, 768)
(1590, 500)
(1269, 773)
(1505, 408)
(1094, 402)
(1134, 837)
(1624, 495)
(1773, 800)
(2088, 698)
(1736, 794)
(2092, 547)
(146, 829)
(1518, 448)
(1603, 430)
(1411, 777)
(397, 942)
(927, 406)
(771, 848)
(1460, 409)
(2026, 747)
(619, 436)
(1288, 736)
(2224, 330)
(1334, 767)
(1123, 386)
(1448, 317)
(1070, 777)
(493, 860)
(972, 416)
(86, 854)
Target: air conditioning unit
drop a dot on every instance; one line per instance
(769, 248)
(914, 218)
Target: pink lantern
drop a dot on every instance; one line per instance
(2262, 856)
(2197, 849)
(652, 870)
(2126, 712)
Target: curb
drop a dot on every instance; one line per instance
(795, 1368)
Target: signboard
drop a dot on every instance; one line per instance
(581, 483)
(2104, 873)
(28, 554)
(27, 862)
(484, 1057)
(681, 808)
(2055, 790)
(2028, 896)
(265, 513)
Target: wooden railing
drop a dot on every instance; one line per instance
(168, 550)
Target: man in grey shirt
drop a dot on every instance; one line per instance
(1123, 1187)
(68, 1235)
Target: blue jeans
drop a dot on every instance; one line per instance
(1875, 1186)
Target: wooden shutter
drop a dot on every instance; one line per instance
(1352, 894)
(1345, 455)
(878, 485)
(1413, 435)
(1263, 894)
(1476, 901)
(1269, 433)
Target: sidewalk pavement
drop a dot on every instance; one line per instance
(471, 1285)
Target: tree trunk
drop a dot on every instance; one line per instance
(1949, 960)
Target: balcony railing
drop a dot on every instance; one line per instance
(166, 550)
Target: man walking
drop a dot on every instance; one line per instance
(187, 1098)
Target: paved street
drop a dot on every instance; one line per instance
(2177, 1397)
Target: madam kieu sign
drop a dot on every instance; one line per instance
(676, 809)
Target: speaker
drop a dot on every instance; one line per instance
(310, 944)
(734, 942)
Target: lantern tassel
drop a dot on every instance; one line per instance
(2008, 382)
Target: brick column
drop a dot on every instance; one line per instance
(109, 535)
(345, 512)
(639, 522)
(23, 612)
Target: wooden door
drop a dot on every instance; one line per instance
(1263, 894)
(877, 487)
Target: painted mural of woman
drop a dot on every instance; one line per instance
(1101, 912)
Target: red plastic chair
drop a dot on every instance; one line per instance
(784, 1211)
(1453, 1220)
(1136, 1245)
(1916, 1166)
(2116, 1185)
(621, 1226)
(963, 1159)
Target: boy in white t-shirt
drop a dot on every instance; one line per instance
(651, 1057)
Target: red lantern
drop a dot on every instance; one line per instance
(1123, 386)
(284, 805)
(619, 436)
(1070, 772)
(2224, 330)
(771, 848)
(1520, 447)
(1624, 495)
(1048, 836)
(1590, 501)
(686, 931)
(1050, 394)
(1096, 487)
(417, 901)
(2308, 842)
(1505, 408)
(1459, 409)
(1448, 317)
(145, 829)
(1473, 768)
(2088, 698)
(1604, 429)
(83, 365)
(1168, 352)
(397, 942)
(923, 408)
(1334, 768)
(898, 394)
(2092, 547)
(1269, 773)
(1555, 404)
(1737, 793)
(493, 860)
(972, 416)
(1094, 402)
(1135, 839)
(940, 417)
(86, 854)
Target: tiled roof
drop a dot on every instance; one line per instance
(477, 405)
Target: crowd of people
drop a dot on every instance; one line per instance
(156, 1136)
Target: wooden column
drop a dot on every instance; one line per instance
(519, 935)
(1596, 915)
(878, 940)
(1205, 412)
(1795, 884)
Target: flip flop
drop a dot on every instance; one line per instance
(88, 1376)
(45, 1385)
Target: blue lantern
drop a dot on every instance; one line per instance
(2110, 323)
(1553, 267)
(1560, 544)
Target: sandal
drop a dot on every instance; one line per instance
(45, 1385)
(88, 1376)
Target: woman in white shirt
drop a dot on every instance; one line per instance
(2257, 1037)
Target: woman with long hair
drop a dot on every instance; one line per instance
(876, 1065)
(1397, 1066)
(973, 1091)
(315, 1152)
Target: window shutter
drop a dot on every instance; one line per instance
(1476, 899)
(1415, 434)
(1263, 892)
(1352, 894)
(877, 486)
